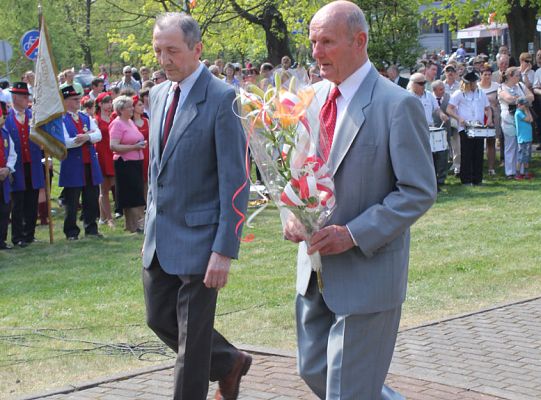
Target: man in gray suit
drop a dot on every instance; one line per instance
(441, 158)
(384, 181)
(192, 227)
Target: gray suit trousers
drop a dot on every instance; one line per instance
(180, 310)
(345, 357)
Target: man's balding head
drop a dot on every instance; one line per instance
(339, 37)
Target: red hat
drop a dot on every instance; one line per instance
(84, 99)
(102, 96)
(20, 88)
(135, 99)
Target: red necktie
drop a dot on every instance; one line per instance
(328, 122)
(170, 117)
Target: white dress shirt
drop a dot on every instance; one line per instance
(93, 131)
(348, 88)
(12, 156)
(185, 87)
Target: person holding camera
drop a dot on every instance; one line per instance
(510, 91)
(127, 144)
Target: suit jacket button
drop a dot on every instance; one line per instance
(160, 211)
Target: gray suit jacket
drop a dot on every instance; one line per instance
(384, 181)
(191, 185)
(443, 106)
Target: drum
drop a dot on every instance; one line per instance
(481, 132)
(438, 139)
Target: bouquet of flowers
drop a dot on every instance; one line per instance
(282, 127)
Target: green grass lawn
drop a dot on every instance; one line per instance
(74, 311)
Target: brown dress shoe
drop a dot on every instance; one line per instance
(228, 387)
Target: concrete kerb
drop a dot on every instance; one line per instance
(97, 382)
(146, 370)
(249, 348)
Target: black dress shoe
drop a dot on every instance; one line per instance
(228, 387)
(71, 238)
(21, 244)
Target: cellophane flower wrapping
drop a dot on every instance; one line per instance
(285, 137)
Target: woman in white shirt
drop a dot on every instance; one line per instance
(510, 91)
(470, 105)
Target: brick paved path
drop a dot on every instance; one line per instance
(490, 355)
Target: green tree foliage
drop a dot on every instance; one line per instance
(118, 32)
(394, 32)
(520, 15)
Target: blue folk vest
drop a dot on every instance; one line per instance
(72, 169)
(38, 175)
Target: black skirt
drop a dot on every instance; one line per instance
(129, 183)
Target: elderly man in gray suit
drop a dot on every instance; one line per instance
(441, 158)
(384, 181)
(193, 215)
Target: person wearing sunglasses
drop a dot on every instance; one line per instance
(127, 81)
(526, 72)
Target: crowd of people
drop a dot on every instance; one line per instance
(381, 165)
(106, 134)
(474, 105)
(499, 101)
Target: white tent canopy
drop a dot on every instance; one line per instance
(481, 31)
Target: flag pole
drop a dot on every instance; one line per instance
(48, 197)
(47, 166)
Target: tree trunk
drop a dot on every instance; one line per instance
(86, 48)
(522, 22)
(272, 22)
(87, 54)
(276, 34)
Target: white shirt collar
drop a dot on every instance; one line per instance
(351, 84)
(348, 88)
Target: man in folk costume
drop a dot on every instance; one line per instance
(8, 157)
(80, 171)
(28, 177)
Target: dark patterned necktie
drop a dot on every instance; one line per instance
(170, 117)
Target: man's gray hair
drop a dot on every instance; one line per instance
(120, 102)
(437, 83)
(187, 25)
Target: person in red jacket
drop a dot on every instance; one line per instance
(104, 108)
